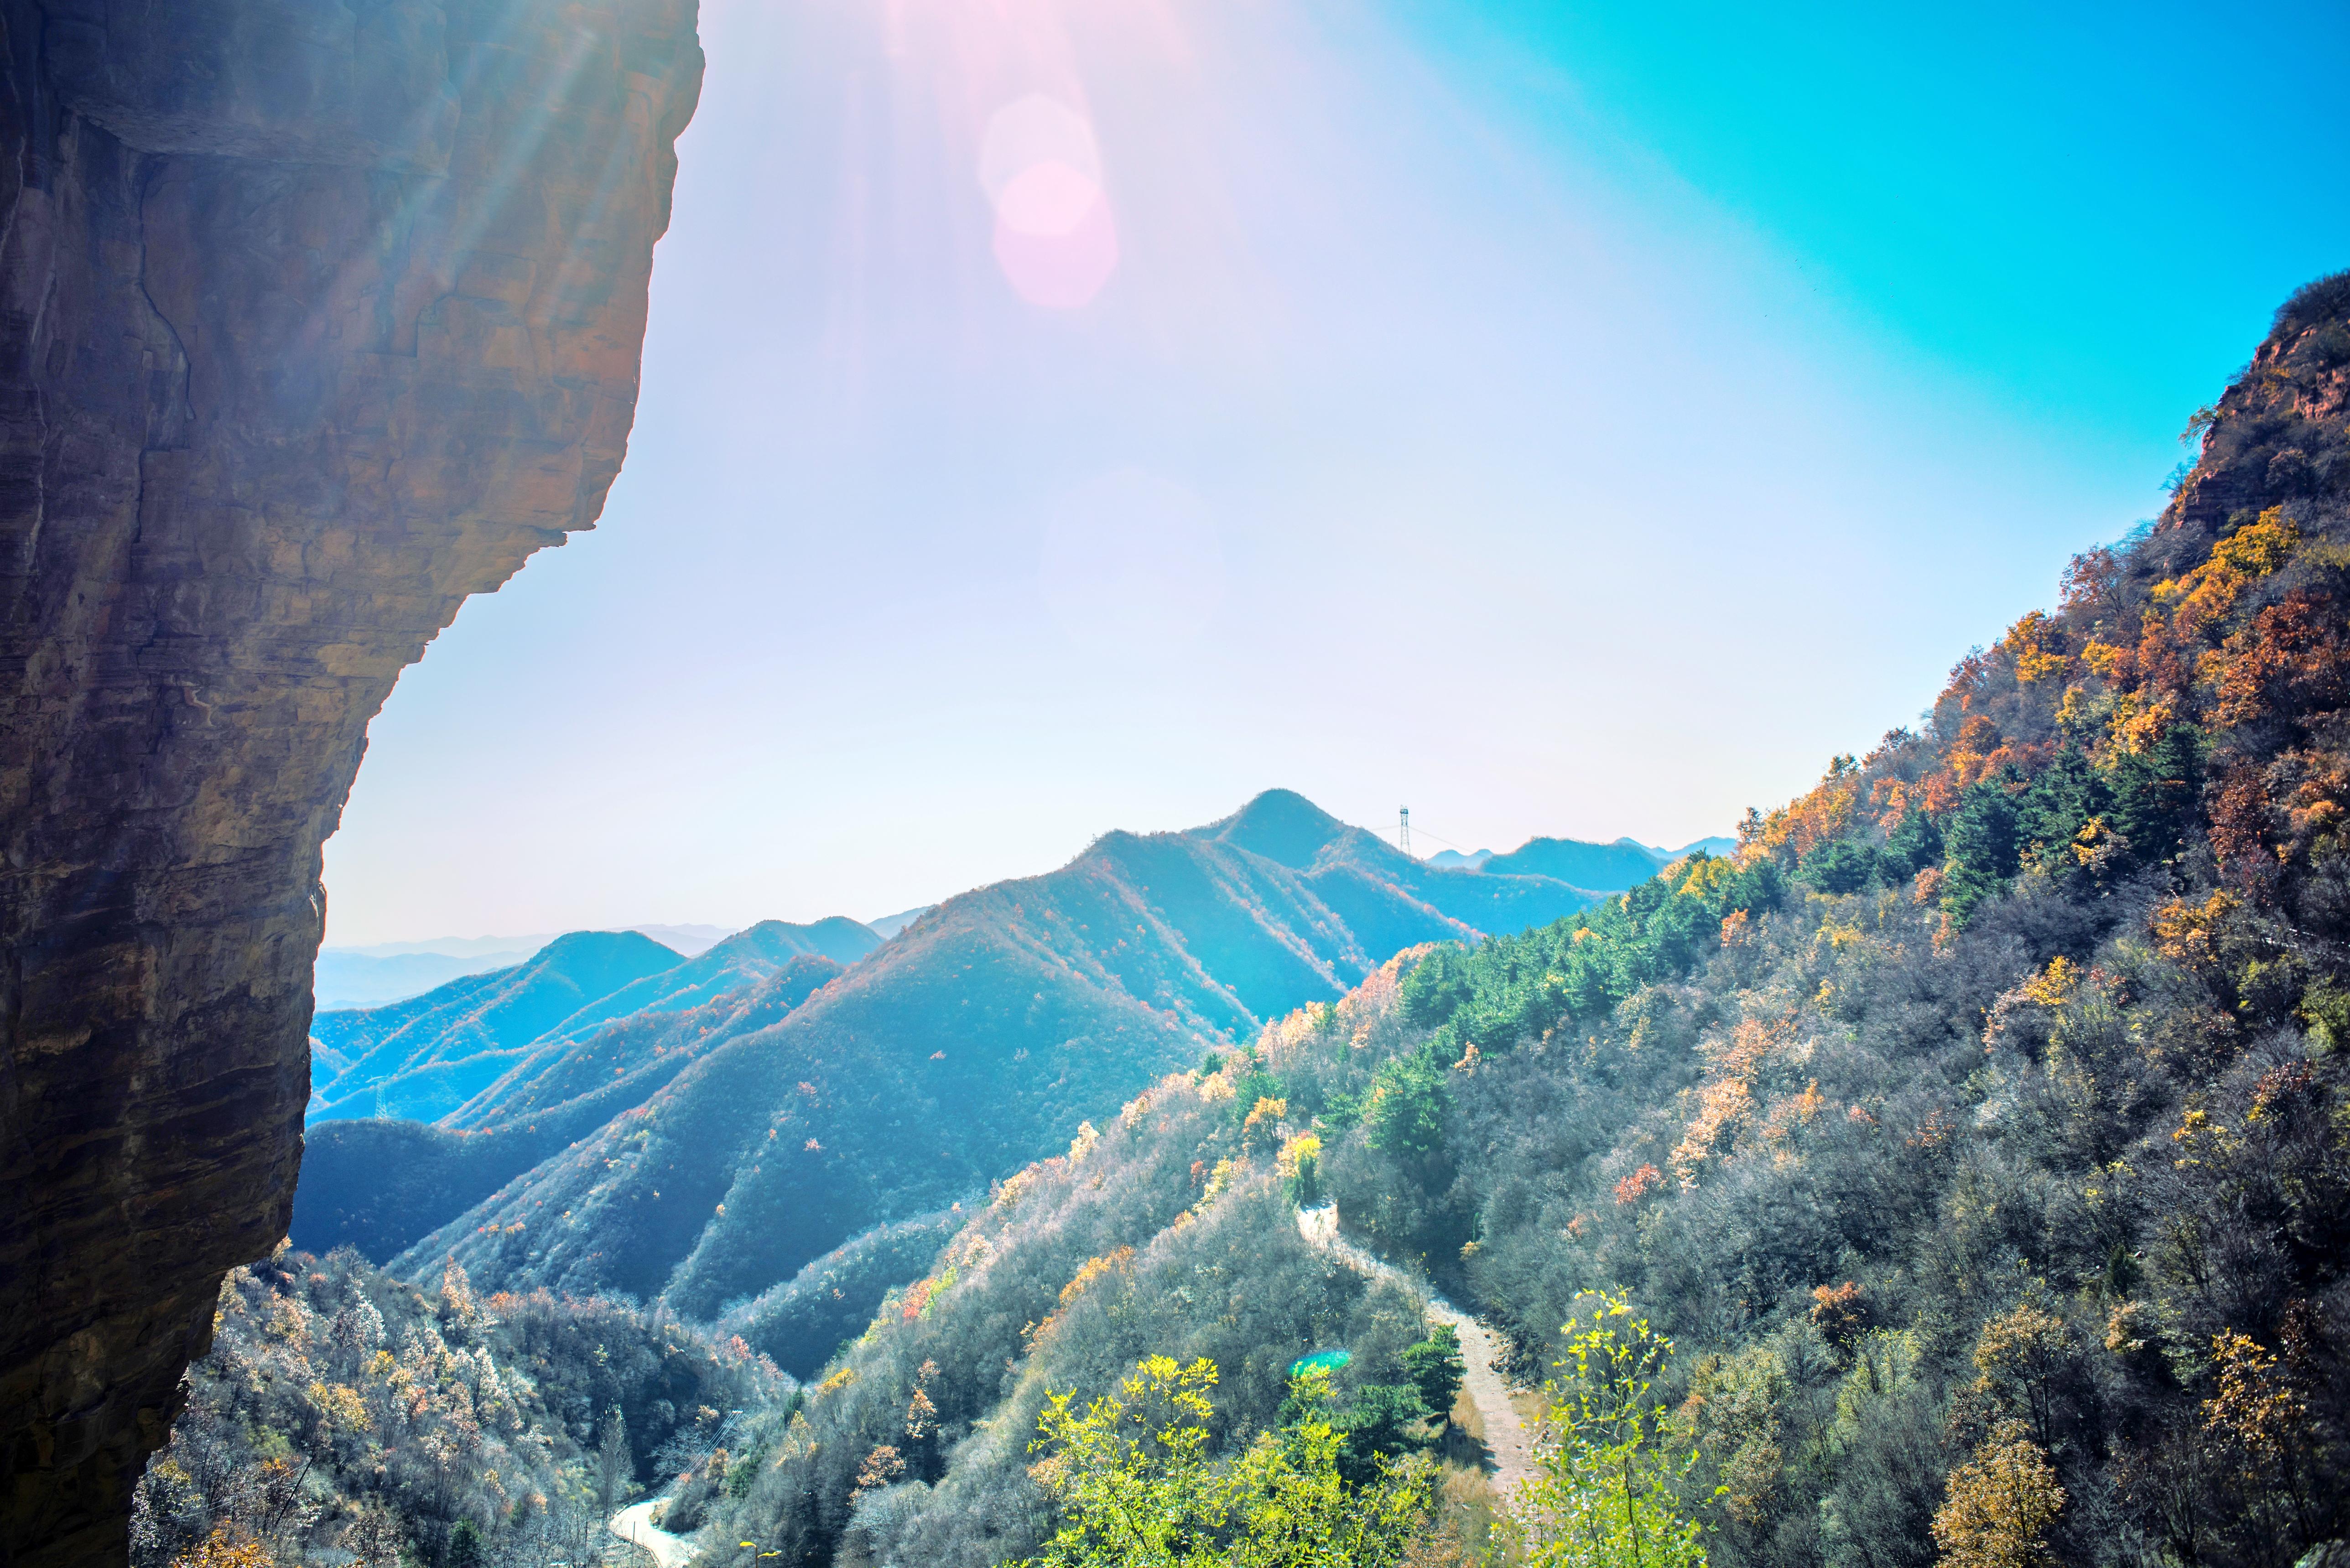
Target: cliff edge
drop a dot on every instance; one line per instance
(315, 319)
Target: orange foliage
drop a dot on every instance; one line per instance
(1639, 1185)
(2000, 1504)
(1727, 1100)
(1093, 1270)
(2189, 934)
(222, 1551)
(1840, 1311)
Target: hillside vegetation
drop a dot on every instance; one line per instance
(964, 1048)
(1956, 1169)
(1976, 1130)
(425, 1056)
(345, 1416)
(381, 1184)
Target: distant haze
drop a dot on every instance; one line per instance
(1060, 417)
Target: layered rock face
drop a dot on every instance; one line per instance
(315, 319)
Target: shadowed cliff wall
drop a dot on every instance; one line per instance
(315, 319)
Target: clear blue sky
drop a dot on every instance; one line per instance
(1560, 420)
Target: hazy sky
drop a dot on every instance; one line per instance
(1062, 415)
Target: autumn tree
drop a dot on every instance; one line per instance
(2000, 1504)
(1135, 1486)
(1608, 1494)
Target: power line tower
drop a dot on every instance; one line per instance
(1404, 831)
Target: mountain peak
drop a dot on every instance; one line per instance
(1280, 825)
(600, 946)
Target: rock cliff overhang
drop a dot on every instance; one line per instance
(315, 319)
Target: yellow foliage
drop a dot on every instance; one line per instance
(1218, 1179)
(1267, 1112)
(2206, 594)
(2259, 548)
(2032, 643)
(2189, 933)
(2053, 986)
(2000, 1505)
(219, 1551)
(1306, 1145)
(2256, 1406)
(2020, 1356)
(289, 1321)
(1093, 1269)
(1015, 1187)
(339, 1406)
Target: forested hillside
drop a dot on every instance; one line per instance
(457, 1053)
(1969, 1142)
(345, 1416)
(426, 1056)
(705, 1157)
(1976, 1131)
(380, 1184)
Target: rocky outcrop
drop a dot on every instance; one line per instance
(315, 316)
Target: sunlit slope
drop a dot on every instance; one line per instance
(970, 1045)
(457, 1053)
(741, 960)
(1974, 1130)
(377, 1184)
(425, 1056)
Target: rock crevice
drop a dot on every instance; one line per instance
(315, 319)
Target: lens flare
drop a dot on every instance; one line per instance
(1056, 239)
(1047, 200)
(1031, 130)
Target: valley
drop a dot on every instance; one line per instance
(1951, 1164)
(604, 1117)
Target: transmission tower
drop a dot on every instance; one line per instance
(1404, 831)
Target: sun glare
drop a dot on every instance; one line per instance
(1056, 240)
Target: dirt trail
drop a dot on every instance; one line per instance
(1506, 1438)
(635, 1523)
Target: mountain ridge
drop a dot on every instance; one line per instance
(429, 1054)
(958, 1050)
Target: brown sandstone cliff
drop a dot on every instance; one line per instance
(315, 316)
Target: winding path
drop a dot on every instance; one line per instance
(635, 1524)
(1506, 1438)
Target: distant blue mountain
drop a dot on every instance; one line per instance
(426, 1056)
(1603, 867)
(888, 926)
(430, 1055)
(1716, 845)
(347, 979)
